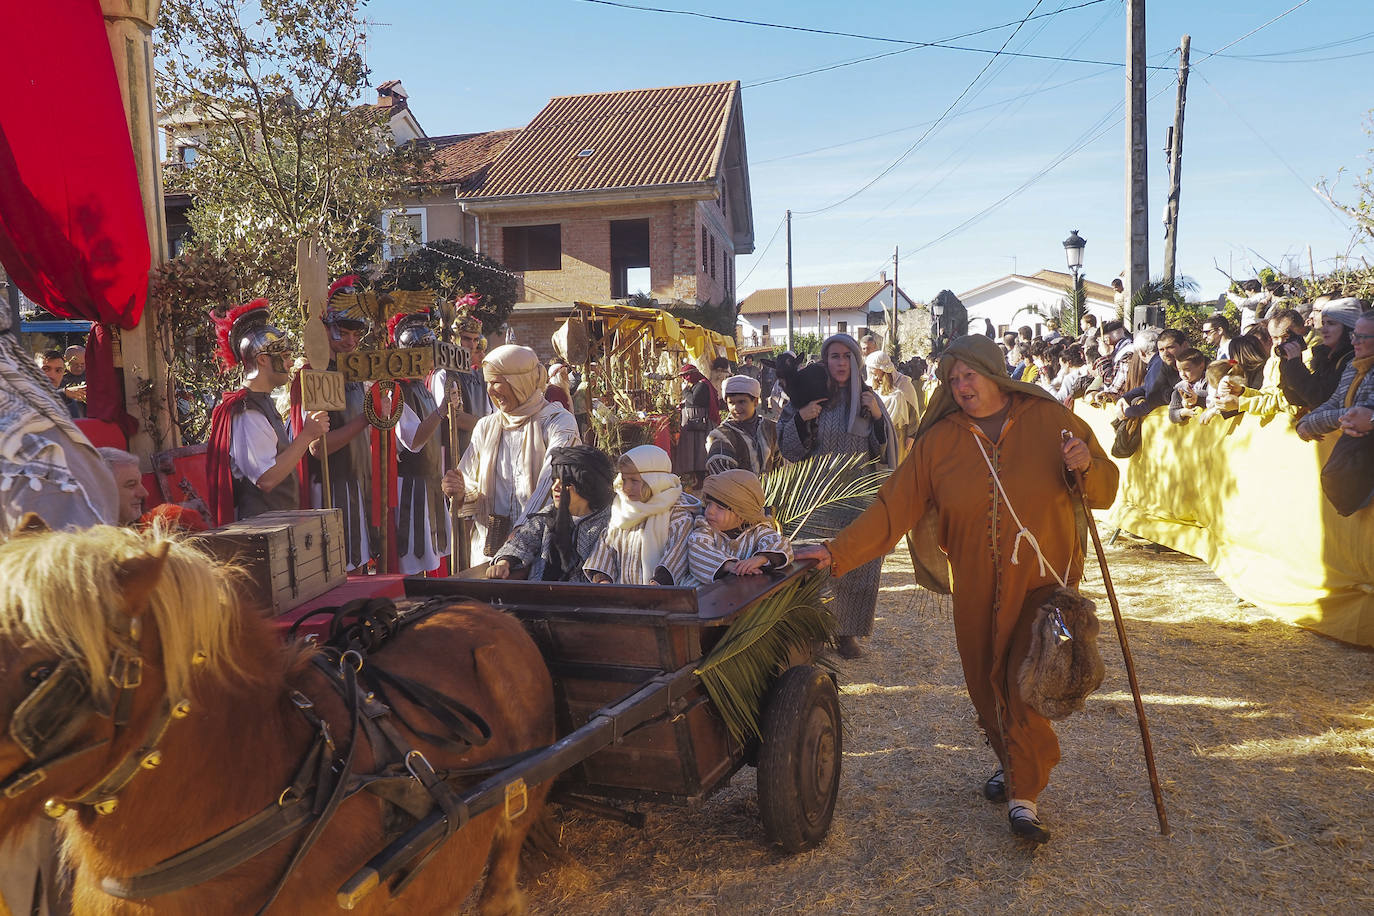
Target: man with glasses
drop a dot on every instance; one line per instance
(1217, 331)
(1350, 409)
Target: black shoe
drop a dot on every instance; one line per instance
(848, 647)
(1027, 826)
(995, 789)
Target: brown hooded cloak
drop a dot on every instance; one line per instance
(993, 570)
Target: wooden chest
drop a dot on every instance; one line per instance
(290, 557)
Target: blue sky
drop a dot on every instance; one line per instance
(1266, 119)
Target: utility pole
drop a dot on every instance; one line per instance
(1175, 164)
(894, 350)
(790, 344)
(1137, 161)
(820, 335)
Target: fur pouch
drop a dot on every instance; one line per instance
(1063, 665)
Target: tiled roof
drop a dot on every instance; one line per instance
(463, 159)
(610, 140)
(1090, 289)
(839, 297)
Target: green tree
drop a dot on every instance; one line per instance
(269, 94)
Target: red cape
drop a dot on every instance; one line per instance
(219, 477)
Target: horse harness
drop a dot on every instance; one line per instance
(61, 702)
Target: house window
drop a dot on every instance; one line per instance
(704, 261)
(403, 231)
(188, 154)
(532, 247)
(841, 327)
(629, 257)
(713, 257)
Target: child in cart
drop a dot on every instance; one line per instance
(736, 536)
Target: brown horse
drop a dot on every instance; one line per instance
(106, 624)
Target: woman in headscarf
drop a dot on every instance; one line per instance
(504, 475)
(897, 393)
(991, 462)
(1310, 386)
(551, 544)
(850, 420)
(646, 541)
(700, 414)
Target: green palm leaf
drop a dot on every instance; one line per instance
(759, 646)
(818, 496)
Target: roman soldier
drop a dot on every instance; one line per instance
(421, 532)
(471, 387)
(350, 454)
(251, 459)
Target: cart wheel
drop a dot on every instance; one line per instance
(799, 760)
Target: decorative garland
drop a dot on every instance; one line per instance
(397, 405)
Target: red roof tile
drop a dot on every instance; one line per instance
(609, 140)
(464, 159)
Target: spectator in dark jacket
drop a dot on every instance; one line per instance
(1161, 376)
(1310, 386)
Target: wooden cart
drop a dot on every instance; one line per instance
(634, 719)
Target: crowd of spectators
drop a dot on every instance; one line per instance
(1308, 362)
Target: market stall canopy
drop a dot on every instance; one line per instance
(702, 345)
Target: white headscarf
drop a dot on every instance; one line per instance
(652, 517)
(520, 368)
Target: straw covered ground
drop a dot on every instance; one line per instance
(1263, 733)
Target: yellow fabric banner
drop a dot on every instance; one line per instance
(1245, 497)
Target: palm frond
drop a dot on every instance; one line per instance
(818, 496)
(758, 646)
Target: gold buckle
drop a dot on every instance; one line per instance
(126, 671)
(516, 793)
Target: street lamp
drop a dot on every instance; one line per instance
(823, 289)
(938, 310)
(1073, 253)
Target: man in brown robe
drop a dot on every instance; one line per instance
(994, 561)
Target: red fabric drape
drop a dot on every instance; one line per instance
(72, 230)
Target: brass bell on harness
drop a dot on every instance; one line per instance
(151, 761)
(54, 808)
(182, 709)
(106, 805)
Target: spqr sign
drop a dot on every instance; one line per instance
(405, 362)
(321, 390)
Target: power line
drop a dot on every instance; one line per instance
(759, 260)
(1264, 25)
(910, 44)
(912, 148)
(818, 31)
(1335, 213)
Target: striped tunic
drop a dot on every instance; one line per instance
(709, 550)
(856, 592)
(619, 555)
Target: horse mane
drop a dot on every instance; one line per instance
(57, 590)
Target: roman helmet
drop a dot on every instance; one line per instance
(412, 330)
(336, 317)
(247, 332)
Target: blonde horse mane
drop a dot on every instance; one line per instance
(58, 590)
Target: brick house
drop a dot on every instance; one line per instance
(599, 197)
(844, 308)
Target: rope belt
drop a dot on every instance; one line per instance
(1022, 532)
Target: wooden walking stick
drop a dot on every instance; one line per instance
(1125, 651)
(458, 553)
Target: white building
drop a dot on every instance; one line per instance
(1015, 300)
(839, 308)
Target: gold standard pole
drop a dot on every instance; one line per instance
(457, 554)
(328, 501)
(1125, 654)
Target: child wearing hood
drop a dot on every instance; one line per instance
(651, 516)
(735, 537)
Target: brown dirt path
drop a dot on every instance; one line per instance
(1264, 736)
